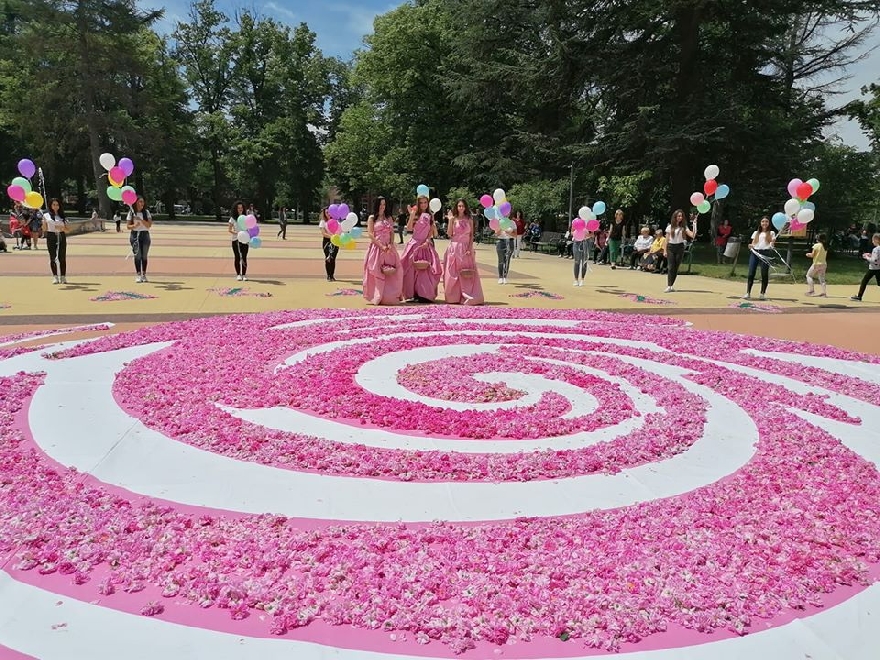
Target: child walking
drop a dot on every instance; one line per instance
(873, 259)
(819, 255)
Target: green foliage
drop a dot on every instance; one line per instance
(850, 186)
(542, 200)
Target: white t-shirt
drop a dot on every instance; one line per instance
(54, 225)
(763, 243)
(675, 238)
(138, 219)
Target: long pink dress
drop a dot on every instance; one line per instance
(458, 289)
(382, 287)
(421, 282)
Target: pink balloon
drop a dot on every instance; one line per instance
(493, 224)
(16, 193)
(333, 226)
(129, 197)
(250, 221)
(592, 225)
(487, 201)
(796, 225)
(579, 234)
(697, 198)
(126, 165)
(117, 173)
(578, 224)
(793, 186)
(505, 208)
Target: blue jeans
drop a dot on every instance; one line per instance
(754, 262)
(580, 250)
(140, 248)
(504, 250)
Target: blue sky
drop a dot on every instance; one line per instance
(342, 24)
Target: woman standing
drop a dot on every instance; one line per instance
(520, 223)
(55, 230)
(676, 233)
(616, 235)
(504, 250)
(139, 222)
(35, 225)
(819, 255)
(763, 241)
(722, 234)
(282, 223)
(330, 250)
(383, 275)
(580, 251)
(420, 261)
(239, 249)
(461, 281)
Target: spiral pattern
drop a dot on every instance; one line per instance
(452, 481)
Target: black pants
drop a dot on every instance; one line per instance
(676, 256)
(330, 252)
(400, 230)
(56, 243)
(140, 248)
(635, 258)
(754, 262)
(119, 225)
(240, 251)
(867, 278)
(283, 231)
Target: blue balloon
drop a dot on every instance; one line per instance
(356, 232)
(722, 192)
(256, 242)
(779, 220)
(599, 208)
(810, 205)
(490, 213)
(423, 190)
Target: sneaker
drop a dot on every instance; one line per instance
(243, 278)
(762, 297)
(575, 283)
(238, 277)
(64, 280)
(810, 293)
(668, 289)
(500, 280)
(504, 281)
(823, 295)
(55, 280)
(747, 297)
(613, 266)
(144, 278)
(139, 279)
(580, 282)
(855, 298)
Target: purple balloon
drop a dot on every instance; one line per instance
(504, 208)
(343, 211)
(127, 166)
(254, 231)
(27, 168)
(333, 210)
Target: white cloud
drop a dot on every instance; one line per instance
(276, 11)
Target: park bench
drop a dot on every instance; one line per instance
(549, 239)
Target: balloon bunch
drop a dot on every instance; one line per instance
(248, 231)
(423, 191)
(587, 220)
(496, 208)
(798, 211)
(341, 226)
(116, 175)
(702, 199)
(21, 190)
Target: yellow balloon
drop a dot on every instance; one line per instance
(335, 240)
(114, 182)
(33, 200)
(351, 245)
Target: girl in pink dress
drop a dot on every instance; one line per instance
(383, 276)
(420, 261)
(461, 280)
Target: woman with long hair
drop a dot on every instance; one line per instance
(461, 280)
(819, 255)
(760, 253)
(420, 261)
(383, 275)
(616, 236)
(239, 249)
(330, 250)
(580, 251)
(139, 222)
(55, 231)
(676, 234)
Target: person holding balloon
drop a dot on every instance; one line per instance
(461, 280)
(763, 242)
(383, 275)
(239, 250)
(329, 248)
(420, 262)
(676, 233)
(139, 222)
(54, 225)
(581, 243)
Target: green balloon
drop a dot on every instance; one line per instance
(24, 183)
(241, 223)
(114, 193)
(704, 206)
(814, 183)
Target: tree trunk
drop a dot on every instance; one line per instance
(687, 37)
(218, 175)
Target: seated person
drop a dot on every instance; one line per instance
(640, 249)
(600, 247)
(533, 235)
(563, 245)
(654, 261)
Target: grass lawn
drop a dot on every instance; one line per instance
(842, 269)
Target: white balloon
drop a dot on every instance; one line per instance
(349, 222)
(711, 172)
(244, 237)
(435, 205)
(499, 195)
(805, 215)
(584, 213)
(352, 217)
(792, 206)
(108, 161)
